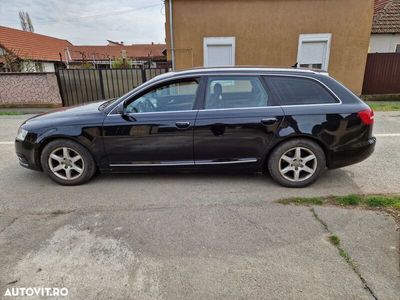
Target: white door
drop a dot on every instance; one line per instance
(314, 51)
(219, 51)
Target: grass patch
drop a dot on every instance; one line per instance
(334, 239)
(379, 201)
(382, 201)
(387, 203)
(384, 105)
(304, 201)
(371, 201)
(348, 259)
(10, 113)
(348, 200)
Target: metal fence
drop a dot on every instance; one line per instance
(382, 74)
(85, 85)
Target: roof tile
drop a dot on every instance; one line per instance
(28, 45)
(386, 16)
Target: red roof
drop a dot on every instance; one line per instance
(137, 51)
(379, 5)
(386, 16)
(28, 45)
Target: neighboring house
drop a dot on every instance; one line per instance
(34, 52)
(102, 57)
(40, 53)
(331, 35)
(385, 37)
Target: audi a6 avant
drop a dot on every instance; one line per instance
(291, 123)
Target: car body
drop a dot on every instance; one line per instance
(215, 119)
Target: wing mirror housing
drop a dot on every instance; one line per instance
(122, 109)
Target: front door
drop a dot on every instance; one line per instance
(156, 128)
(237, 123)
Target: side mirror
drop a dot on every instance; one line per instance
(125, 114)
(122, 109)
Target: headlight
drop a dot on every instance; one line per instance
(21, 134)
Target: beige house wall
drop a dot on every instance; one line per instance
(267, 32)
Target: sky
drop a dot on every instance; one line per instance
(91, 22)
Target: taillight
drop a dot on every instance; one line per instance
(367, 116)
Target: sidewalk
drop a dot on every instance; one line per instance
(26, 110)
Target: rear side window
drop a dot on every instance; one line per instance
(235, 92)
(298, 91)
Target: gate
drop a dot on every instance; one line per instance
(382, 74)
(79, 86)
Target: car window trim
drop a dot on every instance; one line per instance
(323, 85)
(206, 74)
(154, 112)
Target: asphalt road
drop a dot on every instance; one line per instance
(180, 236)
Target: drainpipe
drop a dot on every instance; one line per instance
(171, 33)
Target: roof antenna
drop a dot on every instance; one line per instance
(295, 65)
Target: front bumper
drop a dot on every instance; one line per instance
(352, 154)
(27, 154)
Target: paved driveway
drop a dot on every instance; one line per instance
(197, 236)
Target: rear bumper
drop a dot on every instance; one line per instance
(352, 154)
(26, 153)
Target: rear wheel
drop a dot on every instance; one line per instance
(296, 163)
(67, 162)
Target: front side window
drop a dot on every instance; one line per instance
(299, 91)
(175, 96)
(235, 92)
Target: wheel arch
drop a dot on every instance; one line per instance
(52, 138)
(268, 153)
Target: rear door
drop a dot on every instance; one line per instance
(238, 120)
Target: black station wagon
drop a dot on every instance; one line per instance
(290, 123)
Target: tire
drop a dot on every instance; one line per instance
(73, 166)
(291, 167)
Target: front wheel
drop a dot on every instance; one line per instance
(296, 163)
(67, 162)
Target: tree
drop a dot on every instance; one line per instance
(26, 22)
(13, 62)
(121, 63)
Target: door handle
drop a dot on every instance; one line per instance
(268, 121)
(182, 125)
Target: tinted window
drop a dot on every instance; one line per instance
(235, 92)
(170, 97)
(295, 91)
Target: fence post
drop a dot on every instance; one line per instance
(103, 95)
(143, 75)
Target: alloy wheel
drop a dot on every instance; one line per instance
(298, 164)
(66, 163)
